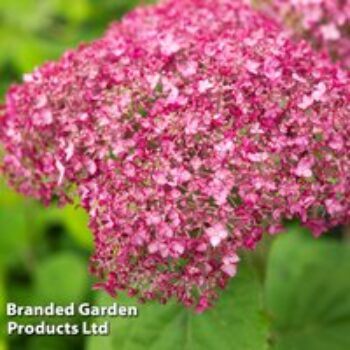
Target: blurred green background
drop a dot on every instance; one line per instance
(292, 294)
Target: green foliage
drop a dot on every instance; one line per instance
(75, 221)
(307, 293)
(62, 278)
(236, 322)
(14, 238)
(305, 306)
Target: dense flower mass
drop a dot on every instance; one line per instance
(326, 23)
(188, 130)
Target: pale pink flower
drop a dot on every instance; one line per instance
(216, 234)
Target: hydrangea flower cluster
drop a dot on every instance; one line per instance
(325, 22)
(190, 129)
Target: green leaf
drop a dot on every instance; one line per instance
(62, 279)
(9, 197)
(32, 51)
(28, 14)
(75, 11)
(236, 322)
(76, 221)
(307, 293)
(47, 342)
(14, 235)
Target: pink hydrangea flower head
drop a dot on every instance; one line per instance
(189, 129)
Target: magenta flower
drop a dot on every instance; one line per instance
(326, 23)
(188, 130)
